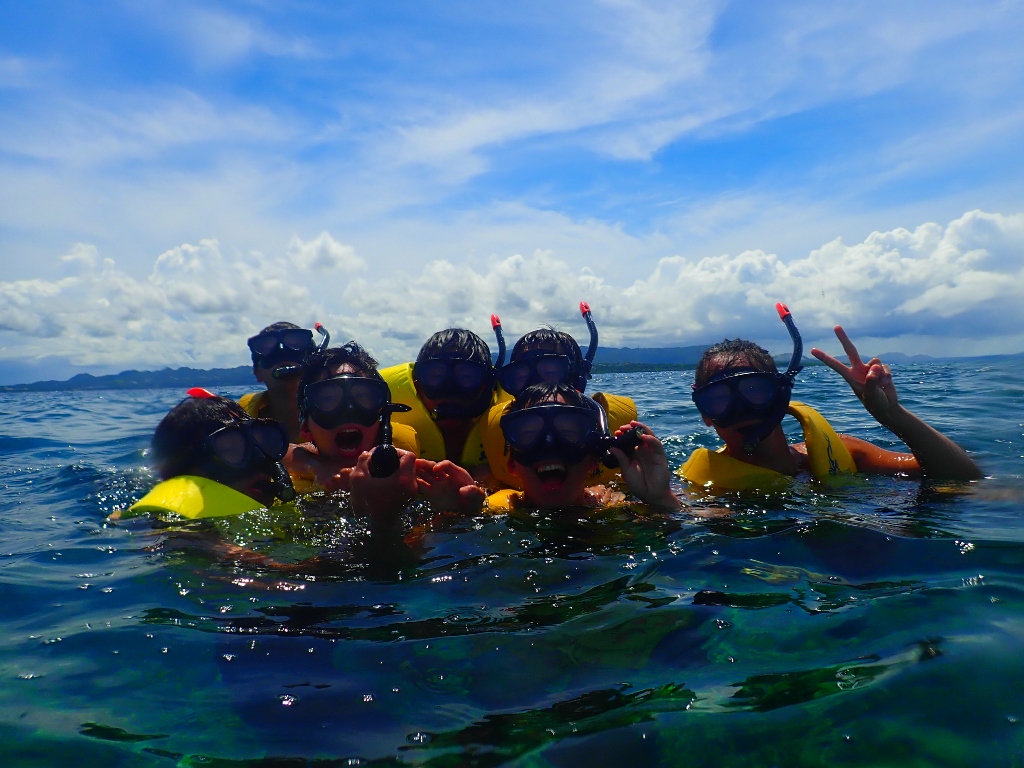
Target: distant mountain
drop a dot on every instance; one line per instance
(608, 360)
(182, 377)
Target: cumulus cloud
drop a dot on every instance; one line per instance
(199, 302)
(324, 252)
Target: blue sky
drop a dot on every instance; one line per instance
(174, 176)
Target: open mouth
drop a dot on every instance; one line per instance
(348, 439)
(551, 472)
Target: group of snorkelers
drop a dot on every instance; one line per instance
(465, 432)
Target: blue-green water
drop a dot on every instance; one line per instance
(881, 624)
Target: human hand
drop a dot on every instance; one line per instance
(646, 473)
(448, 487)
(871, 381)
(381, 497)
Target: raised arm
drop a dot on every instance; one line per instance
(938, 456)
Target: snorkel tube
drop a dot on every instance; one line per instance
(496, 327)
(798, 344)
(754, 435)
(288, 371)
(588, 359)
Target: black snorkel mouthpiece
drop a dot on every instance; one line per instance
(283, 488)
(287, 372)
(496, 327)
(588, 359)
(384, 460)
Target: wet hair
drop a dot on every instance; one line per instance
(733, 353)
(281, 325)
(178, 440)
(325, 361)
(544, 392)
(548, 339)
(455, 344)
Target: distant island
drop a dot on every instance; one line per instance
(609, 360)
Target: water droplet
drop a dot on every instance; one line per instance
(163, 650)
(287, 700)
(228, 656)
(367, 697)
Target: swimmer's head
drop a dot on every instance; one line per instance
(276, 346)
(560, 434)
(543, 356)
(344, 421)
(454, 375)
(732, 354)
(182, 446)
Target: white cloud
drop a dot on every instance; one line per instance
(952, 283)
(324, 252)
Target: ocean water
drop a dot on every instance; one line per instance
(877, 624)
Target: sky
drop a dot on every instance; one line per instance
(174, 176)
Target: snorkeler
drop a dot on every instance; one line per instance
(345, 411)
(740, 393)
(448, 389)
(558, 438)
(215, 460)
(278, 353)
(550, 357)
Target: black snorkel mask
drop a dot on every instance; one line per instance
(348, 399)
(540, 366)
(291, 371)
(570, 433)
(463, 389)
(745, 394)
(245, 446)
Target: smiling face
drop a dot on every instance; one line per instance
(345, 442)
(554, 483)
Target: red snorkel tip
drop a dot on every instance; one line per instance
(318, 327)
(495, 322)
(200, 394)
(584, 308)
(783, 311)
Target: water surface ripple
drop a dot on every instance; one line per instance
(875, 624)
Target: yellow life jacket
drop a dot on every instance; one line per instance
(253, 403)
(431, 442)
(194, 497)
(402, 436)
(826, 453)
(620, 411)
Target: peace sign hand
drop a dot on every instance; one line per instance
(871, 381)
